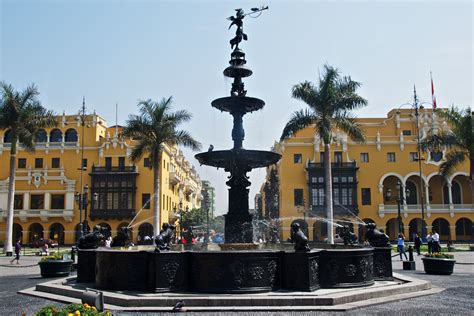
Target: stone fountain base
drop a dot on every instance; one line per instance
(248, 271)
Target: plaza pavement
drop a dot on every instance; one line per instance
(456, 299)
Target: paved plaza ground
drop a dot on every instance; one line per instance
(456, 299)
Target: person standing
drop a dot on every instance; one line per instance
(17, 252)
(417, 244)
(429, 240)
(401, 246)
(436, 246)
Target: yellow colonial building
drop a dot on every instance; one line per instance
(119, 193)
(365, 178)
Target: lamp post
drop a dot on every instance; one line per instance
(417, 106)
(399, 199)
(83, 201)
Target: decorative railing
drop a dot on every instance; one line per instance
(105, 214)
(105, 169)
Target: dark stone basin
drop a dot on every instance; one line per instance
(229, 271)
(243, 157)
(238, 104)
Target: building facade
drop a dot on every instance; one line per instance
(369, 181)
(209, 191)
(119, 193)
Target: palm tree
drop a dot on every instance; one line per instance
(330, 104)
(23, 116)
(151, 130)
(459, 139)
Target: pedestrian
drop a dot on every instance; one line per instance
(436, 246)
(417, 244)
(46, 248)
(429, 240)
(108, 242)
(401, 246)
(17, 252)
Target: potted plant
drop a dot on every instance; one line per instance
(438, 263)
(55, 265)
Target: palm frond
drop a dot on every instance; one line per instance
(348, 124)
(453, 159)
(185, 139)
(299, 120)
(306, 92)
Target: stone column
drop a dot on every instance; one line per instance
(427, 195)
(26, 201)
(452, 232)
(450, 195)
(47, 201)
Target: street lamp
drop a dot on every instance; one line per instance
(83, 202)
(399, 199)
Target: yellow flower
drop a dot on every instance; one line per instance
(70, 314)
(93, 307)
(77, 313)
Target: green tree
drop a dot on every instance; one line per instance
(154, 127)
(330, 104)
(22, 116)
(458, 139)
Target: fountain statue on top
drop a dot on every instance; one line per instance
(238, 161)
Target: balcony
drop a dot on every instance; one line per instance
(346, 210)
(174, 179)
(44, 215)
(114, 169)
(112, 214)
(429, 209)
(189, 187)
(338, 165)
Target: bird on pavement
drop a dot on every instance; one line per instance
(178, 307)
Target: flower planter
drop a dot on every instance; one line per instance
(55, 268)
(438, 265)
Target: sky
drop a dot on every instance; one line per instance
(124, 51)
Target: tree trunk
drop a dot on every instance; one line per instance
(328, 183)
(8, 247)
(156, 195)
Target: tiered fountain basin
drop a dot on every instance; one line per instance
(225, 271)
(242, 157)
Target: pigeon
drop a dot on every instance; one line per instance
(178, 307)
(211, 148)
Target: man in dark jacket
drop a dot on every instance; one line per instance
(417, 244)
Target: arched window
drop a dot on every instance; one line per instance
(464, 229)
(7, 138)
(17, 232)
(56, 136)
(145, 232)
(36, 232)
(109, 229)
(70, 135)
(41, 136)
(125, 225)
(56, 232)
(441, 226)
(413, 198)
(392, 228)
(455, 192)
(320, 230)
(415, 227)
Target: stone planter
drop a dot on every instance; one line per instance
(55, 268)
(438, 265)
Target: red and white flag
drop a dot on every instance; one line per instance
(433, 97)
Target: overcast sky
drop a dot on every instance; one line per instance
(123, 51)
